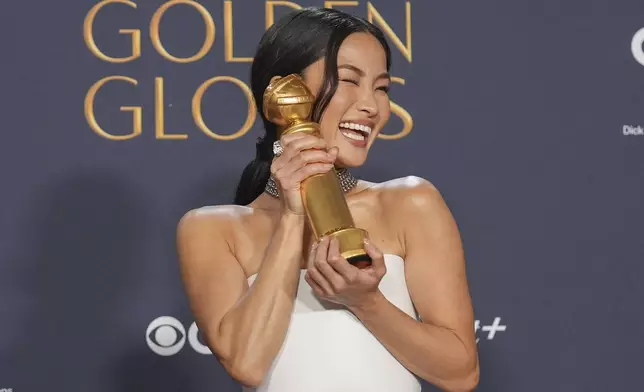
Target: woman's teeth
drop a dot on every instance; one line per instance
(355, 131)
(359, 127)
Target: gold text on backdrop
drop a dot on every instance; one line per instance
(373, 15)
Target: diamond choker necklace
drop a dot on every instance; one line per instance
(347, 182)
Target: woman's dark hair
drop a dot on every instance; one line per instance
(289, 46)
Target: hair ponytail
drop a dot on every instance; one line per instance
(256, 174)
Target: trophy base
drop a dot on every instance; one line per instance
(351, 242)
(360, 261)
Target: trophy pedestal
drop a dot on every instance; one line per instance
(352, 246)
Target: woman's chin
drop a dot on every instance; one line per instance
(349, 162)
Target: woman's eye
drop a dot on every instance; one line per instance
(350, 81)
(384, 88)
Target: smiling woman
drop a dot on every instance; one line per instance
(284, 311)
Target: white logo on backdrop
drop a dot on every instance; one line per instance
(636, 46)
(166, 335)
(490, 329)
(6, 390)
(631, 130)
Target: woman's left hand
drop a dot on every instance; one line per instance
(334, 279)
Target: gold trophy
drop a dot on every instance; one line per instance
(288, 103)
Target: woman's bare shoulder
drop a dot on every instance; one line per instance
(240, 229)
(216, 234)
(213, 222)
(409, 197)
(404, 188)
(216, 214)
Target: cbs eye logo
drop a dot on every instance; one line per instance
(166, 336)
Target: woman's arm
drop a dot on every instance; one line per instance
(442, 347)
(244, 327)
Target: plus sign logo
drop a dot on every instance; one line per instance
(491, 329)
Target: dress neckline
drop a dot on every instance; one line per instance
(304, 269)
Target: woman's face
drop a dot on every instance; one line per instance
(360, 107)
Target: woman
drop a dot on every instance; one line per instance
(283, 312)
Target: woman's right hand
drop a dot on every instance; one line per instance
(303, 156)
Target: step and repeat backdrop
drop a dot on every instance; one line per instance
(119, 116)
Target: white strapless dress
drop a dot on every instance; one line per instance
(327, 349)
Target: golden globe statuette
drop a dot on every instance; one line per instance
(288, 103)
